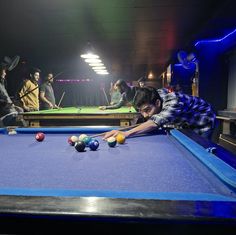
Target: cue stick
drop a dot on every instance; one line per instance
(105, 95)
(121, 129)
(61, 99)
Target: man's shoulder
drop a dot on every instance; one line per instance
(43, 86)
(27, 82)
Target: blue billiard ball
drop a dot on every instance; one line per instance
(93, 144)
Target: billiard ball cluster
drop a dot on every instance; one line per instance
(82, 142)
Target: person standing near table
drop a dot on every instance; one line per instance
(115, 94)
(46, 93)
(127, 94)
(8, 111)
(29, 93)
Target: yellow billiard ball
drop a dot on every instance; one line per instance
(120, 138)
(82, 136)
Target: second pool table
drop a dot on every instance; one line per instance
(81, 116)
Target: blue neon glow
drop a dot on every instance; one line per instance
(215, 40)
(178, 65)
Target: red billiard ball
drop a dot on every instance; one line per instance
(39, 136)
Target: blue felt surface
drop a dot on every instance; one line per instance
(223, 170)
(148, 166)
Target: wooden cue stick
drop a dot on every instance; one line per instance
(121, 129)
(61, 99)
(105, 96)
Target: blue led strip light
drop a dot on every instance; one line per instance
(215, 40)
(219, 167)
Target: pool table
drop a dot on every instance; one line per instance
(81, 116)
(165, 177)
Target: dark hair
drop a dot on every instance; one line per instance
(122, 85)
(46, 77)
(3, 67)
(147, 95)
(34, 70)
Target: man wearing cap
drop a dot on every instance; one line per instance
(8, 111)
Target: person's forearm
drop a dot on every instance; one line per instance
(142, 128)
(115, 106)
(45, 100)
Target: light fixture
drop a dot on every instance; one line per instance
(89, 55)
(150, 75)
(93, 61)
(99, 68)
(102, 72)
(96, 64)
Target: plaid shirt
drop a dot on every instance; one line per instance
(181, 109)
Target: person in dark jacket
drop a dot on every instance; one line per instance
(8, 111)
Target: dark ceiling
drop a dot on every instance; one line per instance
(132, 36)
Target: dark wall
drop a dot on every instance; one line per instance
(213, 76)
(82, 93)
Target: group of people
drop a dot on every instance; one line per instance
(35, 96)
(32, 96)
(158, 106)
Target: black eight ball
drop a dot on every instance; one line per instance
(80, 146)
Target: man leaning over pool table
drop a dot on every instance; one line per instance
(162, 108)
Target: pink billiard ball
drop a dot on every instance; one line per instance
(72, 140)
(39, 136)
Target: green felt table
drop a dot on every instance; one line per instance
(81, 116)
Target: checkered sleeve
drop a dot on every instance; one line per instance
(170, 109)
(181, 109)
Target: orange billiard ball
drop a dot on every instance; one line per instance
(120, 138)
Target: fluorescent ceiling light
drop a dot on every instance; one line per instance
(93, 60)
(102, 72)
(96, 64)
(99, 68)
(89, 56)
